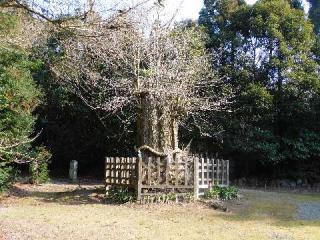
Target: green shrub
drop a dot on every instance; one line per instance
(39, 172)
(6, 177)
(212, 193)
(222, 193)
(171, 197)
(121, 195)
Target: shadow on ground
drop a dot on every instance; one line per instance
(278, 209)
(72, 194)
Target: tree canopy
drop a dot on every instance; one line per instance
(266, 53)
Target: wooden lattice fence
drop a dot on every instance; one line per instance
(165, 175)
(212, 172)
(181, 175)
(121, 171)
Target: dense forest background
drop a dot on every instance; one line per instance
(269, 53)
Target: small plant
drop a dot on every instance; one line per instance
(212, 193)
(228, 193)
(222, 193)
(122, 195)
(172, 197)
(39, 172)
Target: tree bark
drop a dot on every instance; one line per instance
(156, 128)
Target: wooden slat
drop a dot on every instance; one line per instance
(157, 194)
(195, 177)
(158, 170)
(117, 170)
(133, 175)
(227, 172)
(126, 175)
(167, 171)
(149, 170)
(167, 186)
(202, 171)
(222, 172)
(213, 172)
(121, 170)
(218, 172)
(127, 171)
(107, 170)
(185, 171)
(139, 173)
(176, 169)
(112, 171)
(209, 177)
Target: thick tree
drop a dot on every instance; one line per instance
(162, 77)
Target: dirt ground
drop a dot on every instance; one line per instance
(66, 211)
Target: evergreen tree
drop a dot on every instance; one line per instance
(19, 96)
(314, 14)
(265, 51)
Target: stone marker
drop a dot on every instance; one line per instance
(73, 171)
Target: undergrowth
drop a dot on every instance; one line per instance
(121, 195)
(222, 193)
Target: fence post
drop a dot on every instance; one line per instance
(218, 173)
(228, 173)
(213, 172)
(132, 174)
(186, 175)
(107, 180)
(176, 170)
(73, 170)
(202, 171)
(158, 170)
(139, 177)
(222, 172)
(167, 171)
(195, 177)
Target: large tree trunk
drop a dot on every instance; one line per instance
(157, 128)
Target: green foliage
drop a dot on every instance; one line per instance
(39, 172)
(314, 14)
(171, 196)
(212, 193)
(222, 193)
(7, 23)
(19, 97)
(296, 4)
(268, 52)
(121, 195)
(5, 177)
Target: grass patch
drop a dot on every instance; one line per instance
(271, 210)
(53, 214)
(312, 197)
